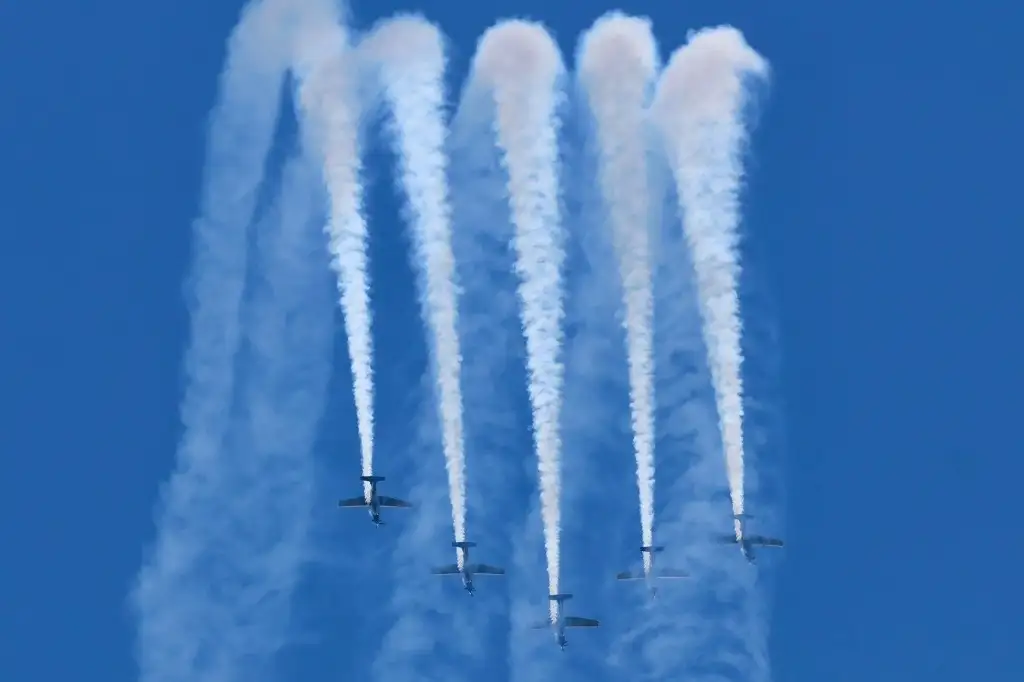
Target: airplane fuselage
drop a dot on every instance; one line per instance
(650, 585)
(649, 553)
(748, 551)
(464, 572)
(559, 627)
(373, 505)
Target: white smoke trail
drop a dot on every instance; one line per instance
(409, 53)
(181, 623)
(618, 61)
(329, 112)
(711, 622)
(697, 108)
(290, 333)
(520, 64)
(421, 604)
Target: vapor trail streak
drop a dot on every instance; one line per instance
(289, 334)
(182, 623)
(409, 54)
(520, 64)
(618, 62)
(329, 110)
(698, 110)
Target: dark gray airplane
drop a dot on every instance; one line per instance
(468, 570)
(374, 502)
(649, 575)
(559, 621)
(748, 542)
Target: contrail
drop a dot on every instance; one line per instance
(709, 622)
(697, 108)
(423, 604)
(409, 54)
(520, 64)
(329, 112)
(181, 624)
(618, 62)
(289, 333)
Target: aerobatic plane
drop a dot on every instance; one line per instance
(650, 575)
(559, 621)
(374, 502)
(748, 542)
(468, 570)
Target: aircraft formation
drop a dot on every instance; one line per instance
(373, 502)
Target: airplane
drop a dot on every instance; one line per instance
(649, 574)
(374, 502)
(748, 542)
(559, 621)
(468, 570)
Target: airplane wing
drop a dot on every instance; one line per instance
(541, 625)
(352, 502)
(726, 539)
(574, 622)
(671, 574)
(763, 541)
(392, 502)
(451, 569)
(484, 569)
(626, 575)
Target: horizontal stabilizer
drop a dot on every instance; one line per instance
(671, 573)
(626, 575)
(393, 502)
(352, 502)
(451, 569)
(484, 569)
(560, 597)
(575, 622)
(463, 544)
(371, 479)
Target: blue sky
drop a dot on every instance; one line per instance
(873, 213)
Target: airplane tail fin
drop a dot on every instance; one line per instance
(463, 545)
(560, 597)
(371, 479)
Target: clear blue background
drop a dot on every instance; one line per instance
(884, 192)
